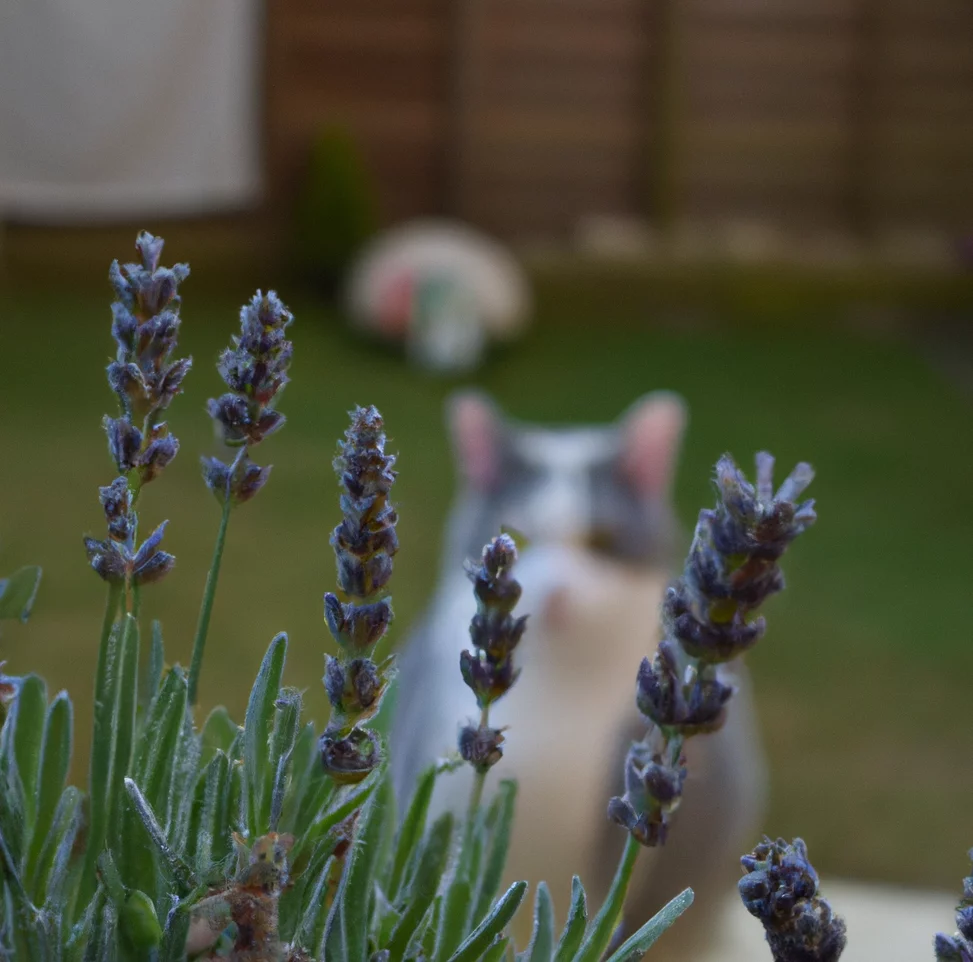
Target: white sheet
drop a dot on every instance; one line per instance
(117, 108)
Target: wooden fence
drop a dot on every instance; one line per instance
(526, 115)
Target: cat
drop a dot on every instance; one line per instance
(593, 506)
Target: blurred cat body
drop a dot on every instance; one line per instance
(594, 507)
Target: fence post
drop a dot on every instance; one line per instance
(464, 41)
(861, 200)
(663, 126)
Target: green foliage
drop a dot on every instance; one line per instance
(336, 212)
(172, 852)
(17, 593)
(207, 840)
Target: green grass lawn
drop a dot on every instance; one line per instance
(864, 677)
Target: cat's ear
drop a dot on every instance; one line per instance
(476, 428)
(652, 431)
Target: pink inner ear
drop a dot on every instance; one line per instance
(476, 438)
(652, 434)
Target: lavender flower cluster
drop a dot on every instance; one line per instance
(145, 379)
(488, 670)
(781, 890)
(364, 543)
(732, 568)
(255, 371)
(959, 947)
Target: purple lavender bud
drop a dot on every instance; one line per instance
(107, 559)
(232, 413)
(357, 627)
(116, 499)
(150, 564)
(655, 774)
(732, 566)
(124, 442)
(157, 454)
(145, 326)
(706, 639)
(480, 746)
(952, 949)
(150, 248)
(959, 948)
(348, 760)
(365, 540)
(781, 889)
(488, 670)
(354, 687)
(170, 380)
(254, 370)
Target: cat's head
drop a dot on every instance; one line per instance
(606, 488)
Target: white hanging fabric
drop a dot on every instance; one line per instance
(117, 108)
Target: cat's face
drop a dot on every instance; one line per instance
(604, 488)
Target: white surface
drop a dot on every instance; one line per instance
(884, 924)
(114, 108)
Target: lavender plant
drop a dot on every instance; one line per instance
(267, 842)
(262, 842)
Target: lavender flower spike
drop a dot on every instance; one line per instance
(488, 670)
(732, 565)
(143, 375)
(959, 947)
(364, 544)
(255, 371)
(707, 617)
(781, 889)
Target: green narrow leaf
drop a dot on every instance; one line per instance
(310, 930)
(541, 948)
(157, 753)
(355, 799)
(55, 761)
(358, 875)
(209, 815)
(55, 856)
(424, 886)
(632, 949)
(153, 670)
(28, 713)
(603, 926)
(413, 826)
(256, 728)
(499, 916)
(453, 921)
(103, 946)
(306, 776)
(108, 873)
(219, 731)
(496, 951)
(12, 823)
(17, 593)
(178, 869)
(574, 927)
(102, 748)
(501, 815)
(287, 721)
(124, 721)
(430, 930)
(384, 918)
(26, 917)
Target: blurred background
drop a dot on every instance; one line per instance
(767, 207)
